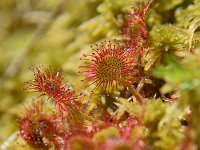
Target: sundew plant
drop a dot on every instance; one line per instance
(103, 75)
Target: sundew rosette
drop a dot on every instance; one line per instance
(110, 65)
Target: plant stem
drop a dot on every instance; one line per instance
(89, 118)
(133, 91)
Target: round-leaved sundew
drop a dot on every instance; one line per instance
(107, 64)
(39, 129)
(135, 29)
(29, 128)
(49, 82)
(110, 65)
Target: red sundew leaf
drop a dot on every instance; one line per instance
(49, 82)
(135, 29)
(137, 16)
(40, 129)
(29, 128)
(52, 129)
(107, 65)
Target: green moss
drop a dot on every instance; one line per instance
(105, 134)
